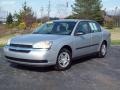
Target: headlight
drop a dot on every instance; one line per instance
(8, 42)
(43, 45)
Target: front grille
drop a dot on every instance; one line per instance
(27, 60)
(23, 51)
(21, 45)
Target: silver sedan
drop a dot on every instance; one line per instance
(57, 43)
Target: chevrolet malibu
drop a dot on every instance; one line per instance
(57, 43)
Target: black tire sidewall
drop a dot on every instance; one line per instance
(57, 66)
(100, 52)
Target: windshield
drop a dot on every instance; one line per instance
(58, 28)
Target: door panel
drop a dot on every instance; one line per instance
(96, 35)
(82, 43)
(96, 39)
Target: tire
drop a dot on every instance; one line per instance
(63, 60)
(103, 51)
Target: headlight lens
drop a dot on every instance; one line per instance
(43, 45)
(8, 42)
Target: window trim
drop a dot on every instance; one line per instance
(97, 24)
(82, 22)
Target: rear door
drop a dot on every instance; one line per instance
(82, 42)
(96, 35)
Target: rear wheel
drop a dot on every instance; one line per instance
(63, 60)
(103, 50)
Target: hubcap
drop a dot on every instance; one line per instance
(64, 59)
(103, 50)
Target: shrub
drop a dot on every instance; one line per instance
(109, 24)
(22, 26)
(34, 25)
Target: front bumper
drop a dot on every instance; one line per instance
(35, 57)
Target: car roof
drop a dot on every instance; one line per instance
(71, 20)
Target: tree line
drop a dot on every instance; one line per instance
(82, 9)
(87, 9)
(23, 19)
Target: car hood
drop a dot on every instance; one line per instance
(34, 38)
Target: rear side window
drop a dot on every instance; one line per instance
(95, 27)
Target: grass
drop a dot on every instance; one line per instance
(4, 39)
(2, 45)
(115, 36)
(115, 42)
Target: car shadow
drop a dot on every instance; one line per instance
(31, 68)
(83, 59)
(51, 68)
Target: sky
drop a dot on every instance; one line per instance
(58, 7)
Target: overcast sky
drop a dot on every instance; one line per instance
(57, 6)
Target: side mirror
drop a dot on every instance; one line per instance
(79, 33)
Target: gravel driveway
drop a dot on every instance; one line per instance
(88, 73)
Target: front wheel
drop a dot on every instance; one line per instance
(63, 60)
(103, 51)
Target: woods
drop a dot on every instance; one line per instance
(87, 9)
(23, 19)
(81, 9)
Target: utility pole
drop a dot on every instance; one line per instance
(63, 9)
(66, 7)
(0, 15)
(67, 4)
(0, 9)
(41, 10)
(49, 6)
(104, 15)
(35, 14)
(115, 16)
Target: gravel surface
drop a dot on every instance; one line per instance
(89, 73)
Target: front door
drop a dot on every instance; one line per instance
(82, 39)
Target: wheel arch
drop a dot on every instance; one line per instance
(67, 47)
(105, 41)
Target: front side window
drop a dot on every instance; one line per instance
(57, 28)
(83, 27)
(94, 27)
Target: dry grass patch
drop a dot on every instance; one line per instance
(115, 34)
(4, 39)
